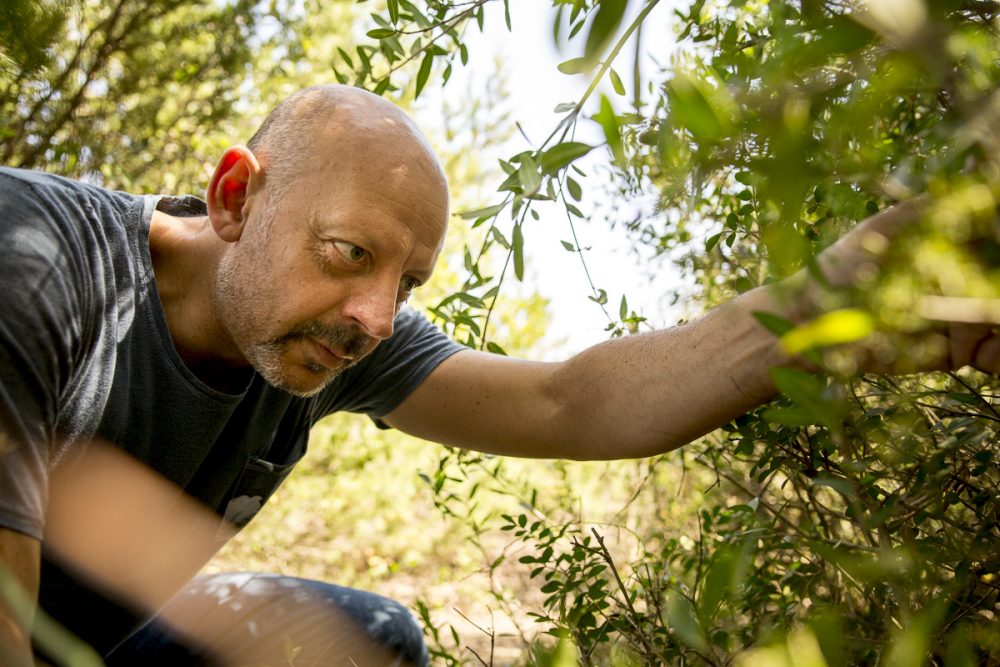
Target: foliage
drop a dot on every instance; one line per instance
(858, 514)
(145, 95)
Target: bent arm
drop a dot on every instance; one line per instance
(19, 560)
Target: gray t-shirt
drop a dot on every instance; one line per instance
(85, 353)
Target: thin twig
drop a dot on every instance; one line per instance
(633, 615)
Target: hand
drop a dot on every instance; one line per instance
(962, 330)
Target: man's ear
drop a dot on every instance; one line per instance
(237, 175)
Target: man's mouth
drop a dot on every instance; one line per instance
(328, 357)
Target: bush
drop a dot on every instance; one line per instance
(854, 520)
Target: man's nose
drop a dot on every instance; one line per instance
(374, 309)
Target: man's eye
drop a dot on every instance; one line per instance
(352, 253)
(406, 287)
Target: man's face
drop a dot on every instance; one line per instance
(320, 271)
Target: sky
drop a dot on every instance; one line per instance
(536, 87)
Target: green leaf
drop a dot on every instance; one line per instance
(565, 655)
(623, 308)
(959, 652)
(422, 20)
(794, 417)
(616, 82)
(803, 388)
(779, 326)
(470, 300)
(839, 327)
(828, 627)
(807, 392)
(363, 55)
(423, 73)
(551, 587)
(684, 623)
(720, 580)
(841, 486)
(517, 248)
(529, 176)
(495, 349)
(575, 66)
(911, 644)
(712, 241)
(612, 132)
(707, 111)
(575, 191)
(603, 28)
(381, 33)
(562, 154)
(487, 212)
(500, 238)
(393, 7)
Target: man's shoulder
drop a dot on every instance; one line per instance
(24, 187)
(40, 181)
(69, 245)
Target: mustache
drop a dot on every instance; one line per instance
(344, 339)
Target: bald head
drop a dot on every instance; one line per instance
(341, 123)
(336, 216)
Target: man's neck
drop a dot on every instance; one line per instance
(185, 253)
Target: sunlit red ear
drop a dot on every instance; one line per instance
(236, 175)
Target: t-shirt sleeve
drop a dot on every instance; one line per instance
(381, 381)
(35, 342)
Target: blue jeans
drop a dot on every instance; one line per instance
(263, 619)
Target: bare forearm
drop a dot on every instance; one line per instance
(642, 395)
(624, 398)
(646, 394)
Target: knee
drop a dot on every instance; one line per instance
(258, 613)
(388, 622)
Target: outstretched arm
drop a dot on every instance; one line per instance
(627, 397)
(644, 394)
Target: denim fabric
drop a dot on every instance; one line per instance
(265, 619)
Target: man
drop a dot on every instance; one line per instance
(205, 339)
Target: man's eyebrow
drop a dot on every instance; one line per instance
(317, 222)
